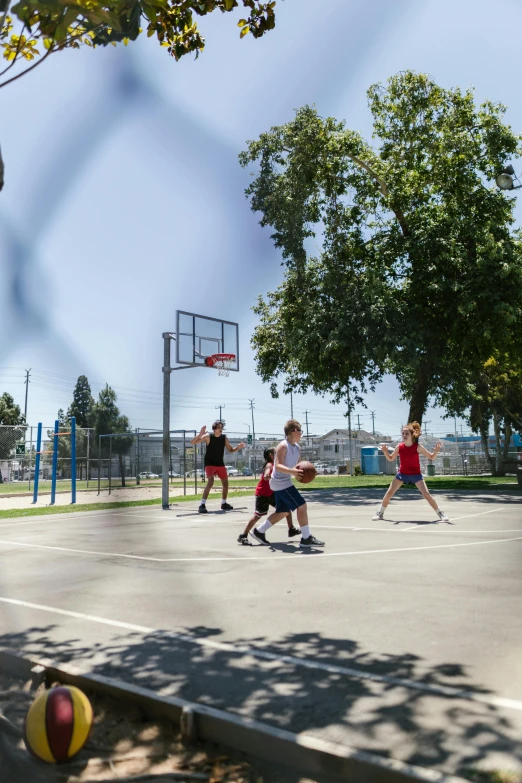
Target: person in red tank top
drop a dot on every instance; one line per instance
(264, 499)
(409, 468)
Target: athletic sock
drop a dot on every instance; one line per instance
(202, 502)
(264, 526)
(381, 510)
(305, 531)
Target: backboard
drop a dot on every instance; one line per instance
(198, 336)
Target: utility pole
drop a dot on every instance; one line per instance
(307, 438)
(26, 391)
(253, 436)
(220, 406)
(349, 425)
(359, 422)
(373, 422)
(456, 443)
(291, 405)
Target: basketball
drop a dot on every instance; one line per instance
(309, 471)
(58, 724)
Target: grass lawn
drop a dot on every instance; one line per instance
(483, 483)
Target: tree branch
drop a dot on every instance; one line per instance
(16, 55)
(38, 62)
(384, 190)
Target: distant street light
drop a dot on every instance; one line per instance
(506, 179)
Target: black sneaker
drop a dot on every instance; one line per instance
(311, 541)
(202, 509)
(259, 537)
(226, 507)
(243, 539)
(293, 531)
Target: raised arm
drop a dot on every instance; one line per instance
(433, 454)
(203, 436)
(390, 456)
(234, 448)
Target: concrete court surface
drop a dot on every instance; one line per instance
(404, 637)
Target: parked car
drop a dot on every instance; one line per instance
(248, 472)
(175, 475)
(232, 471)
(145, 474)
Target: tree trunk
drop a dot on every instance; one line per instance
(507, 439)
(419, 398)
(498, 439)
(484, 437)
(122, 469)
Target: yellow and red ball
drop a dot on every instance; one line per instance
(58, 724)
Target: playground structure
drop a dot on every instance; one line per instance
(56, 435)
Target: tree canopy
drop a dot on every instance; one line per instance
(400, 256)
(82, 406)
(31, 30)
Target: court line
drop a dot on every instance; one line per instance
(358, 674)
(298, 556)
(457, 519)
(427, 526)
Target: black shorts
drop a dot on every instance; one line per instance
(263, 503)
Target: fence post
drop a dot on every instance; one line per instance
(37, 463)
(99, 462)
(30, 458)
(73, 459)
(55, 461)
(87, 476)
(184, 465)
(110, 464)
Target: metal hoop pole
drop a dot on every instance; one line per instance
(166, 422)
(73, 459)
(55, 462)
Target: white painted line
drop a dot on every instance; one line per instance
(297, 556)
(468, 516)
(443, 527)
(359, 674)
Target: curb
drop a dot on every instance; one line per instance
(312, 756)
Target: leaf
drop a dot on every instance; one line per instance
(229, 5)
(242, 23)
(244, 31)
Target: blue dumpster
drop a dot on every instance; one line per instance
(370, 460)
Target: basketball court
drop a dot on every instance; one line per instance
(402, 637)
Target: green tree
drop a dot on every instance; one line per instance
(82, 404)
(109, 421)
(10, 415)
(419, 271)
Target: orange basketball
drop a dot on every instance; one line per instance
(309, 471)
(58, 724)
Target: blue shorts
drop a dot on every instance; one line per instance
(410, 478)
(288, 500)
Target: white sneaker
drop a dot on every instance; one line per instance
(442, 516)
(378, 515)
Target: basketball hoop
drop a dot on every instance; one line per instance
(223, 362)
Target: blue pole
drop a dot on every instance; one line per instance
(73, 458)
(37, 465)
(55, 461)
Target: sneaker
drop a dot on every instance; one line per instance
(293, 531)
(202, 509)
(259, 537)
(243, 539)
(226, 507)
(378, 515)
(442, 516)
(311, 541)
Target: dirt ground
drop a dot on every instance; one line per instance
(124, 745)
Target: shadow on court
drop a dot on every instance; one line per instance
(370, 496)
(436, 729)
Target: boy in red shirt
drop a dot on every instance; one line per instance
(409, 468)
(264, 499)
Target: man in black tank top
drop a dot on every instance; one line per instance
(216, 442)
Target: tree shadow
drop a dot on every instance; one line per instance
(368, 497)
(307, 682)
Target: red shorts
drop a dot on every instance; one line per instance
(220, 472)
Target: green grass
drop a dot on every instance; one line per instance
(490, 776)
(484, 483)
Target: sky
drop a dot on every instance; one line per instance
(124, 200)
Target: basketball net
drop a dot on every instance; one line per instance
(223, 362)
